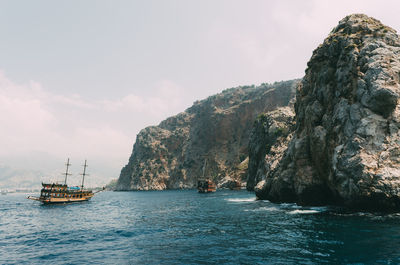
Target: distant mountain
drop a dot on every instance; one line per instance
(216, 130)
(11, 178)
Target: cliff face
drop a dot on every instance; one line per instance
(269, 138)
(345, 147)
(172, 154)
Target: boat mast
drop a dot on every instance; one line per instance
(66, 172)
(204, 167)
(84, 173)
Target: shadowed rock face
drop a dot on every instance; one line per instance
(171, 155)
(345, 148)
(269, 138)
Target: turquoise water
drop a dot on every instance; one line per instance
(185, 227)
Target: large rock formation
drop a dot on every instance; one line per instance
(346, 144)
(172, 154)
(269, 139)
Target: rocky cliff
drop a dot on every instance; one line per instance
(346, 144)
(269, 138)
(217, 129)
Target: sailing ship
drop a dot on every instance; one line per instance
(61, 193)
(205, 185)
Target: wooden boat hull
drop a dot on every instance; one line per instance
(64, 201)
(206, 191)
(59, 200)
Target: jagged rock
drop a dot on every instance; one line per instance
(234, 177)
(268, 140)
(171, 155)
(230, 183)
(345, 149)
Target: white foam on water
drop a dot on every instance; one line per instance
(321, 254)
(271, 209)
(289, 205)
(268, 209)
(241, 200)
(299, 211)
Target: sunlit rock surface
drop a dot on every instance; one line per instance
(217, 129)
(345, 147)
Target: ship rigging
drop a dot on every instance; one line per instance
(61, 193)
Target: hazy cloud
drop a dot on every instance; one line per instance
(35, 120)
(166, 98)
(131, 64)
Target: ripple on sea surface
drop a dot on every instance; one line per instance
(182, 227)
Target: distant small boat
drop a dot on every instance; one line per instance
(205, 185)
(61, 193)
(3, 192)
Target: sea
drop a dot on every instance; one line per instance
(185, 227)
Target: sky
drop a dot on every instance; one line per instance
(80, 79)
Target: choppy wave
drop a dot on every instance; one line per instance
(180, 227)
